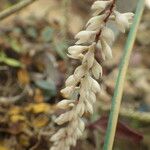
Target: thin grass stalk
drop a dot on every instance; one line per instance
(116, 101)
(15, 8)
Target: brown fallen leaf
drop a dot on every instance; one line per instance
(23, 77)
(24, 140)
(15, 110)
(17, 118)
(38, 96)
(17, 128)
(40, 121)
(3, 147)
(40, 108)
(123, 131)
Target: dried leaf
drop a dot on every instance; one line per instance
(16, 128)
(40, 121)
(15, 110)
(123, 131)
(3, 147)
(38, 97)
(38, 108)
(17, 118)
(23, 77)
(24, 140)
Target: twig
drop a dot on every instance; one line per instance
(97, 139)
(10, 100)
(141, 116)
(9, 11)
(110, 134)
(129, 113)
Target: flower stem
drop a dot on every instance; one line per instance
(116, 101)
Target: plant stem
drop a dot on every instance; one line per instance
(97, 139)
(116, 101)
(9, 11)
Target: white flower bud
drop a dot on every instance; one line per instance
(108, 35)
(85, 37)
(95, 86)
(67, 92)
(89, 56)
(74, 124)
(95, 23)
(92, 97)
(148, 3)
(65, 103)
(58, 135)
(81, 125)
(63, 118)
(70, 128)
(86, 84)
(124, 20)
(89, 59)
(89, 107)
(99, 47)
(80, 109)
(74, 141)
(79, 72)
(80, 56)
(70, 141)
(97, 70)
(71, 81)
(54, 148)
(106, 49)
(99, 6)
(78, 133)
(77, 49)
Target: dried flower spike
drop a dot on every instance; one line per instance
(96, 36)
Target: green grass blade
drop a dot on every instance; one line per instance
(116, 101)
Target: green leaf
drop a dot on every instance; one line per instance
(47, 34)
(12, 62)
(2, 56)
(61, 49)
(31, 32)
(15, 45)
(47, 86)
(9, 61)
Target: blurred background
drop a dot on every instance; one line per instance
(34, 66)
